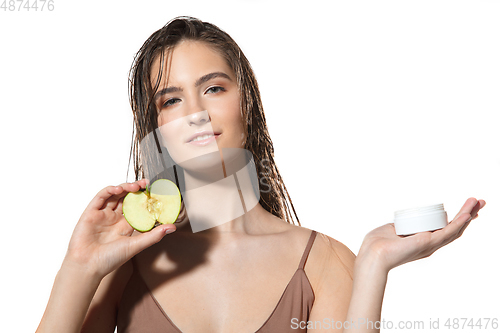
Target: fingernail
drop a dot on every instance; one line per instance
(169, 231)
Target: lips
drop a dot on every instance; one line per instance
(202, 137)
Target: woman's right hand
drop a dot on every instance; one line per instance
(102, 240)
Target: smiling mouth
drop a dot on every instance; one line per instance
(202, 137)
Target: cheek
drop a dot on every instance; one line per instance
(168, 117)
(233, 125)
(226, 113)
(235, 116)
(170, 131)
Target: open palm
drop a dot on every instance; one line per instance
(393, 250)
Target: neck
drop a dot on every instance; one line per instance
(223, 199)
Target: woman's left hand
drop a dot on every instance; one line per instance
(391, 250)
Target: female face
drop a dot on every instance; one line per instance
(198, 104)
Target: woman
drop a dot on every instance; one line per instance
(254, 272)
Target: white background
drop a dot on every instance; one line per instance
(373, 106)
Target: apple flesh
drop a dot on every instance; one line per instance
(162, 203)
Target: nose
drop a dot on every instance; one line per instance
(198, 118)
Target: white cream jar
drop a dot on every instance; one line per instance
(413, 220)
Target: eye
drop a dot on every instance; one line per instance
(170, 102)
(213, 90)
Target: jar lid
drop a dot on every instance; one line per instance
(418, 211)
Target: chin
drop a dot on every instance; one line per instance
(205, 163)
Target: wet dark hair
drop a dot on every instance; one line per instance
(276, 198)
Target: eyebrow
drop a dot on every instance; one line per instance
(200, 81)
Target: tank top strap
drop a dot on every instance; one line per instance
(308, 248)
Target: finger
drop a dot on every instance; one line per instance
(119, 206)
(142, 183)
(480, 204)
(102, 196)
(112, 203)
(131, 187)
(468, 218)
(467, 207)
(475, 209)
(146, 239)
(449, 233)
(464, 227)
(115, 201)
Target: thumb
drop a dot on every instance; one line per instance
(145, 240)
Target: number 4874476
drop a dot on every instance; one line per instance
(27, 5)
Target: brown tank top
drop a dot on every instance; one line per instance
(139, 312)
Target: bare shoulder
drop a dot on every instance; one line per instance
(330, 269)
(330, 261)
(327, 255)
(335, 251)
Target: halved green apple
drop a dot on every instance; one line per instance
(161, 203)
